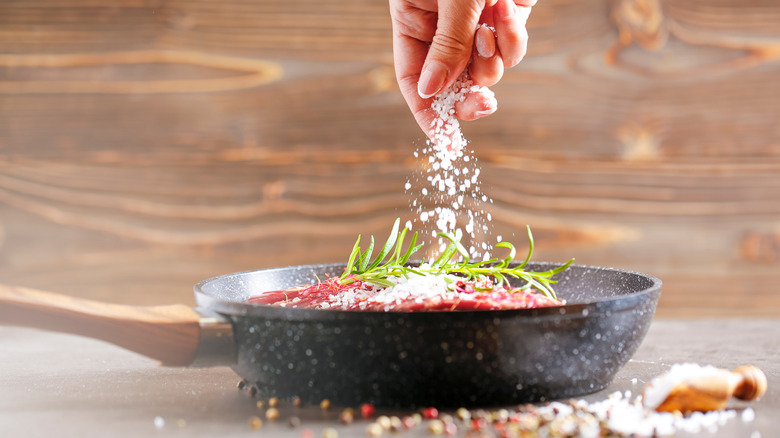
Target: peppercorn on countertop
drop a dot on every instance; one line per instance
(53, 384)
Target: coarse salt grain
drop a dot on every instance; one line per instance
(417, 288)
(748, 415)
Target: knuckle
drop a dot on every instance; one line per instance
(449, 45)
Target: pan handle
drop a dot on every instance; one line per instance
(175, 335)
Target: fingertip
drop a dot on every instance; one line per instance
(476, 105)
(432, 79)
(504, 10)
(519, 49)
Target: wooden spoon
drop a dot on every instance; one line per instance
(713, 392)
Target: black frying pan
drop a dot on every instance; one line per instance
(401, 360)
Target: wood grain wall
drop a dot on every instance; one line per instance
(145, 145)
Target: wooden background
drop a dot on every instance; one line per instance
(145, 145)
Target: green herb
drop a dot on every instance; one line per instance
(392, 259)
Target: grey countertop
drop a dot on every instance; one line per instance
(61, 385)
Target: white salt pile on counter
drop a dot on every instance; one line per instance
(451, 189)
(630, 418)
(660, 387)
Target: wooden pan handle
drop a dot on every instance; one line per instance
(169, 334)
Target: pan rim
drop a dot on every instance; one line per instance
(621, 302)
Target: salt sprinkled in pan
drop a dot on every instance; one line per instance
(416, 288)
(452, 174)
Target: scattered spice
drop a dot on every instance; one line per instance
(450, 428)
(374, 430)
(297, 402)
(395, 424)
(330, 433)
(241, 384)
(436, 427)
(430, 413)
(384, 421)
(347, 416)
(273, 401)
(367, 410)
(260, 404)
(617, 416)
(255, 422)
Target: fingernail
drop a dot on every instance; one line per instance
(485, 42)
(484, 113)
(432, 79)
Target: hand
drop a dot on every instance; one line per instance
(433, 41)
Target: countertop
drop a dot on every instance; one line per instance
(61, 385)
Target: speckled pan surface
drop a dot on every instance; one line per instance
(445, 359)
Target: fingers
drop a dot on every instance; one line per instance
(512, 36)
(477, 104)
(452, 45)
(486, 66)
(408, 55)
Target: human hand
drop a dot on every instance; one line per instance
(433, 41)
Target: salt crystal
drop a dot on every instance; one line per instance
(159, 422)
(748, 415)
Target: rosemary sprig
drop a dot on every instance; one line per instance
(361, 267)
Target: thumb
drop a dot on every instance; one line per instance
(452, 45)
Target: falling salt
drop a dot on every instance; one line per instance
(453, 190)
(159, 422)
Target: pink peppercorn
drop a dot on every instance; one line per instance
(367, 410)
(450, 429)
(478, 423)
(430, 413)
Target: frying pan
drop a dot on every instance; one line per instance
(390, 359)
